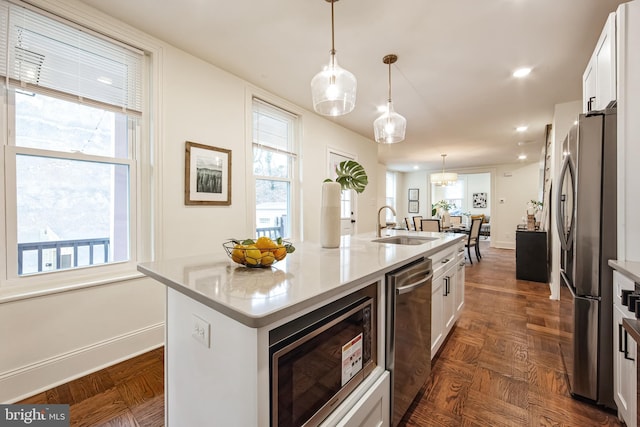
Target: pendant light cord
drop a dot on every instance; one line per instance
(389, 81)
(333, 48)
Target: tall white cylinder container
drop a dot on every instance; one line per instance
(330, 215)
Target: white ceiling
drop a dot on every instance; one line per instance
(452, 80)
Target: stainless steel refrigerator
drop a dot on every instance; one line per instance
(586, 219)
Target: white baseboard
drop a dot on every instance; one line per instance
(35, 378)
(504, 244)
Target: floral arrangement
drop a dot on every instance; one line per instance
(534, 206)
(442, 204)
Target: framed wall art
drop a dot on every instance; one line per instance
(413, 193)
(479, 200)
(207, 176)
(413, 206)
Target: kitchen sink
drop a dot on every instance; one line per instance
(405, 240)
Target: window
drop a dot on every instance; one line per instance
(391, 195)
(73, 104)
(274, 156)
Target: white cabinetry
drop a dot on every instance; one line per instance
(624, 355)
(369, 410)
(447, 293)
(599, 78)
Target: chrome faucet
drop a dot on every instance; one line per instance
(380, 226)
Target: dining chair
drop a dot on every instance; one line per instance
(474, 239)
(456, 220)
(416, 223)
(406, 223)
(430, 225)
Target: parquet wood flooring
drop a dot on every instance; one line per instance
(501, 366)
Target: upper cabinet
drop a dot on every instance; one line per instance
(599, 78)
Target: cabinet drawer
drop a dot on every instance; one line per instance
(442, 261)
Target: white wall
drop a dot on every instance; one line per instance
(515, 185)
(50, 339)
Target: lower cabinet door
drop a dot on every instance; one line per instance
(624, 370)
(437, 314)
(370, 410)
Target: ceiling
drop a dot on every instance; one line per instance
(452, 80)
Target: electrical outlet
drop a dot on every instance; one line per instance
(200, 330)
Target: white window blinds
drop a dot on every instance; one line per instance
(40, 52)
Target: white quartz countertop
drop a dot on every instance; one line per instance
(258, 297)
(630, 269)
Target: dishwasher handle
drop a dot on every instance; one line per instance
(408, 288)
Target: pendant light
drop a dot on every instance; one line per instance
(390, 127)
(443, 178)
(333, 89)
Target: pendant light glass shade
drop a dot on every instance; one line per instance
(444, 178)
(333, 90)
(390, 127)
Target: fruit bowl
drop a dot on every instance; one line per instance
(260, 253)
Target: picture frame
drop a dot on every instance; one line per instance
(480, 200)
(207, 177)
(414, 206)
(414, 194)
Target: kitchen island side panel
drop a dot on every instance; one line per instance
(209, 385)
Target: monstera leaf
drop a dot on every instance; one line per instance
(352, 176)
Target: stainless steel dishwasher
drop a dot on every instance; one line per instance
(408, 338)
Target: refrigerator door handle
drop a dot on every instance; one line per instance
(566, 240)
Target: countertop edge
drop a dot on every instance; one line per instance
(628, 268)
(274, 316)
(632, 326)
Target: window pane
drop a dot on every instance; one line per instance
(54, 124)
(269, 163)
(273, 200)
(70, 213)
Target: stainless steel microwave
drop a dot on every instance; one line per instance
(318, 359)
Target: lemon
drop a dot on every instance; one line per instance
(265, 243)
(238, 254)
(267, 258)
(252, 255)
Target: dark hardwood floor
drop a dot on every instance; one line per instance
(500, 367)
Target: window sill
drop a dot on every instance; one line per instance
(17, 293)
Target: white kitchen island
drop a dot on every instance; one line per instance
(219, 315)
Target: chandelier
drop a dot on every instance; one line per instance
(444, 178)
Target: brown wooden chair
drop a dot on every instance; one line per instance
(430, 225)
(474, 238)
(416, 223)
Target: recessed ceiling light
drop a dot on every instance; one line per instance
(522, 157)
(416, 167)
(522, 128)
(521, 72)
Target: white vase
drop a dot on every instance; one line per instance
(330, 215)
(446, 218)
